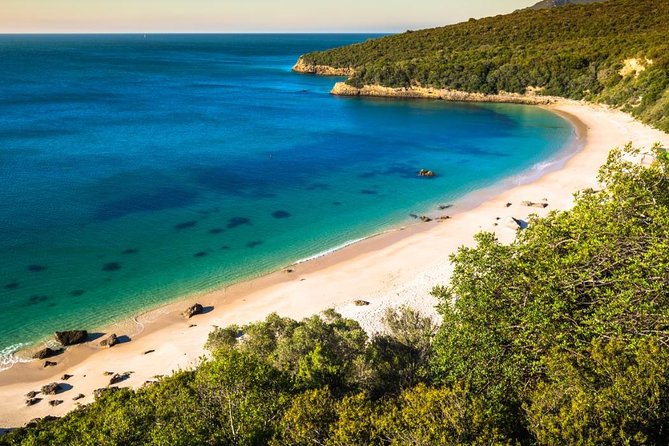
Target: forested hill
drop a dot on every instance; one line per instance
(558, 3)
(615, 52)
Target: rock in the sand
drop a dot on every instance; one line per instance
(65, 377)
(46, 353)
(361, 303)
(50, 364)
(108, 373)
(98, 392)
(119, 377)
(192, 311)
(445, 217)
(31, 394)
(32, 401)
(509, 205)
(425, 219)
(55, 403)
(78, 397)
(148, 351)
(111, 341)
(71, 337)
(535, 205)
(35, 421)
(51, 389)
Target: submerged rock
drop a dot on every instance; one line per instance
(192, 311)
(426, 173)
(71, 337)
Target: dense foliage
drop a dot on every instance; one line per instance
(577, 51)
(561, 337)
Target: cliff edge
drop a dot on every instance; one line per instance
(303, 66)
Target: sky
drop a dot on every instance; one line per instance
(145, 16)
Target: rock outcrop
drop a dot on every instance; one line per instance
(71, 337)
(303, 66)
(46, 353)
(111, 341)
(426, 173)
(192, 311)
(343, 89)
(51, 389)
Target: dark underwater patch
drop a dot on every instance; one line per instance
(36, 268)
(37, 299)
(215, 231)
(281, 214)
(161, 199)
(130, 251)
(185, 225)
(369, 192)
(200, 254)
(12, 286)
(254, 243)
(238, 221)
(111, 266)
(77, 293)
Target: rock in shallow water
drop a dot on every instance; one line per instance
(71, 337)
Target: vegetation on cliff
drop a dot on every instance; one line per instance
(559, 338)
(616, 52)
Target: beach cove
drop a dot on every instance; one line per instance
(395, 268)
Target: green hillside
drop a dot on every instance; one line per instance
(577, 52)
(559, 3)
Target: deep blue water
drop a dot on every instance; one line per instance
(133, 170)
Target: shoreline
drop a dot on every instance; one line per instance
(400, 266)
(465, 203)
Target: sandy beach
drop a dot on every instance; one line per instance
(396, 268)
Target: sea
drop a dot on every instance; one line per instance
(136, 169)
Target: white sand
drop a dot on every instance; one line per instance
(390, 270)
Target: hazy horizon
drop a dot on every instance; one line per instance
(233, 17)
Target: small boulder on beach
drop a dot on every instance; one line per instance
(65, 377)
(31, 394)
(78, 397)
(361, 303)
(111, 341)
(32, 401)
(71, 337)
(46, 353)
(51, 389)
(532, 204)
(55, 403)
(192, 311)
(50, 364)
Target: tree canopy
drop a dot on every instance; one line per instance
(561, 337)
(615, 52)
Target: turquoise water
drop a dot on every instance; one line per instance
(134, 170)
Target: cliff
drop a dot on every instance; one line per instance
(343, 89)
(322, 70)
